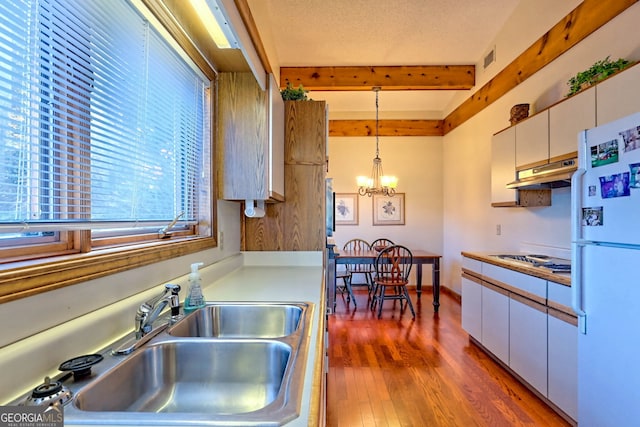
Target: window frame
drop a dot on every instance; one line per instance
(75, 257)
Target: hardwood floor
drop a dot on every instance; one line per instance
(396, 371)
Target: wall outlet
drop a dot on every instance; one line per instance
(498, 229)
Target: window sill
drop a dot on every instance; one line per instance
(24, 279)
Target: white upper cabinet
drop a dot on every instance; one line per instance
(532, 140)
(567, 119)
(619, 95)
(503, 166)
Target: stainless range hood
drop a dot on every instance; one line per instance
(552, 175)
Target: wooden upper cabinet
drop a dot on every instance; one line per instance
(297, 224)
(532, 141)
(248, 137)
(306, 132)
(567, 119)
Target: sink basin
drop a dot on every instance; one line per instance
(240, 320)
(229, 363)
(221, 377)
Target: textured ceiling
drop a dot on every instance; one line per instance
(380, 32)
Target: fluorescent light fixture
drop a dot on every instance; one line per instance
(214, 20)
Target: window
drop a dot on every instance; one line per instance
(106, 134)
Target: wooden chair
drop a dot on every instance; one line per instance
(381, 242)
(360, 245)
(377, 245)
(393, 265)
(345, 275)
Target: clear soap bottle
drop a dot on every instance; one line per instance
(194, 299)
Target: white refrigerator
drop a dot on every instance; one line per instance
(606, 273)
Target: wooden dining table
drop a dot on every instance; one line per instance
(420, 257)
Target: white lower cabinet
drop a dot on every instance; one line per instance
(528, 341)
(472, 306)
(523, 322)
(563, 366)
(495, 320)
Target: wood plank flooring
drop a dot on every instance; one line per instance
(396, 371)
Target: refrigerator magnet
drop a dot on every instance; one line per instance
(615, 185)
(592, 217)
(634, 181)
(604, 154)
(631, 138)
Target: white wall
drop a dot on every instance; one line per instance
(447, 180)
(417, 162)
(469, 220)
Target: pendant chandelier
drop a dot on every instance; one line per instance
(378, 182)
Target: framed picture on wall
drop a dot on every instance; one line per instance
(388, 210)
(346, 209)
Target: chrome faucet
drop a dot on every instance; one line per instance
(149, 311)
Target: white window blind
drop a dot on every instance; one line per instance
(103, 123)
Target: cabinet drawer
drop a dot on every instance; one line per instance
(559, 294)
(472, 265)
(528, 286)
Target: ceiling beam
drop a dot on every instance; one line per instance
(572, 29)
(354, 78)
(385, 128)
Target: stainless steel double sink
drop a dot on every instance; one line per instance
(233, 363)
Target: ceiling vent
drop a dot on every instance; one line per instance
(490, 58)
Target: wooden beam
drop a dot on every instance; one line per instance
(572, 29)
(418, 77)
(385, 128)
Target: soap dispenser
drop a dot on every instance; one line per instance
(194, 299)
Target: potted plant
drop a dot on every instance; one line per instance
(294, 94)
(600, 70)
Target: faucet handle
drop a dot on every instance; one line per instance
(174, 289)
(174, 301)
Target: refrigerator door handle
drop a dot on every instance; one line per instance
(576, 286)
(576, 249)
(576, 204)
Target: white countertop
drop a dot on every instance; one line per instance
(260, 276)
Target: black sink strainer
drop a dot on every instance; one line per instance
(81, 365)
(48, 388)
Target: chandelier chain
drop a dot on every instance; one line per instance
(377, 182)
(377, 89)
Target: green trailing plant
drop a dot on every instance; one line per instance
(600, 70)
(291, 93)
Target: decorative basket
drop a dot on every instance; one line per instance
(519, 112)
